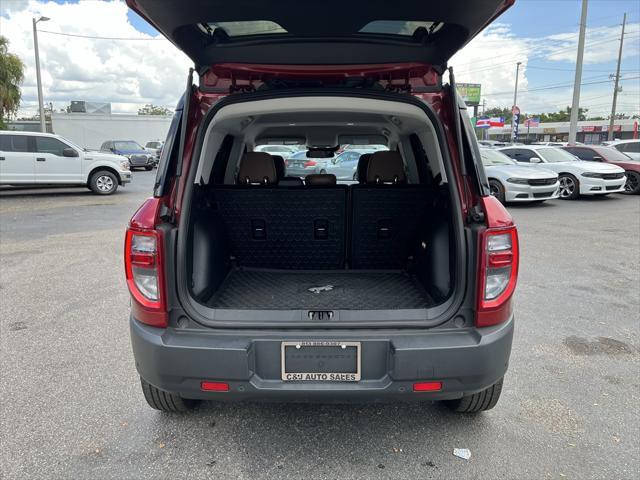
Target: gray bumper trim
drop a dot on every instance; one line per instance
(465, 361)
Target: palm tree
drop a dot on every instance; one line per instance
(11, 75)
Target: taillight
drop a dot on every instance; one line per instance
(498, 275)
(310, 163)
(143, 268)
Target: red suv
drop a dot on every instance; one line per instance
(248, 283)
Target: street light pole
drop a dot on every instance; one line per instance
(575, 105)
(514, 136)
(43, 126)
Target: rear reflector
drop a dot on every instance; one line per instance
(214, 386)
(427, 386)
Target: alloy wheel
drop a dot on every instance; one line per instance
(567, 187)
(104, 183)
(633, 181)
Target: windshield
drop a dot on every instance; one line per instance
(555, 155)
(493, 157)
(611, 154)
(127, 145)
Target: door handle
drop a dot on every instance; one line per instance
(41, 159)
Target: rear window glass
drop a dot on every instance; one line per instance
(250, 27)
(399, 27)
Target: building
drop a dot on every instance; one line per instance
(90, 130)
(589, 131)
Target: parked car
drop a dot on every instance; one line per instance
(45, 159)
(154, 148)
(137, 155)
(593, 153)
(630, 148)
(285, 151)
(511, 182)
(492, 143)
(576, 176)
(398, 288)
(299, 165)
(345, 165)
(554, 144)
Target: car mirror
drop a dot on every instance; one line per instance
(70, 152)
(597, 159)
(535, 160)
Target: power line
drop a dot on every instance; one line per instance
(101, 38)
(547, 54)
(550, 87)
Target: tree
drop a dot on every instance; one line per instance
(11, 76)
(150, 109)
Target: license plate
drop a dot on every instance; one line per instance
(321, 361)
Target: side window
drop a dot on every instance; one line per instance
(633, 147)
(5, 143)
(582, 153)
(14, 143)
(511, 152)
(523, 155)
(50, 145)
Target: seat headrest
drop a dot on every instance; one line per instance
(320, 179)
(280, 166)
(386, 167)
(257, 167)
(290, 182)
(363, 163)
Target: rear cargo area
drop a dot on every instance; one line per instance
(247, 288)
(376, 234)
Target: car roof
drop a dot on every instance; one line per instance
(23, 132)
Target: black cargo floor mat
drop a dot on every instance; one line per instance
(249, 289)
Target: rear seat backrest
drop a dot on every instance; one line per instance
(320, 179)
(257, 168)
(386, 167)
(387, 215)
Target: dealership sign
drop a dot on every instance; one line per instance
(470, 93)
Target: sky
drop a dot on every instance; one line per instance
(141, 67)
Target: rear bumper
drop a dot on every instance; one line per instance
(464, 360)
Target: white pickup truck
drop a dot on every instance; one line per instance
(45, 159)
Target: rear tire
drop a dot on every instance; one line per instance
(103, 182)
(323, 172)
(497, 190)
(569, 187)
(165, 401)
(632, 187)
(148, 168)
(478, 402)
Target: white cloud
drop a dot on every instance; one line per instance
(125, 73)
(490, 59)
(131, 73)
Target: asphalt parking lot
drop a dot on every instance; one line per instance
(72, 406)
